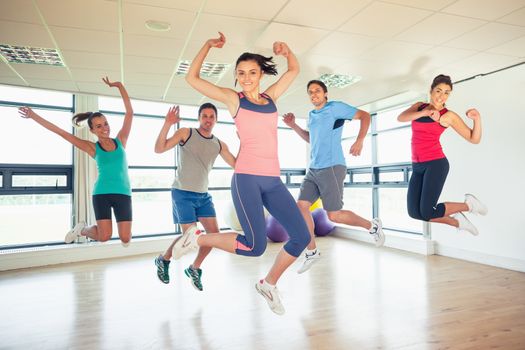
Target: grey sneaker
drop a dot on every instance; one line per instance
(465, 224)
(271, 294)
(377, 232)
(309, 260)
(163, 269)
(474, 205)
(187, 242)
(195, 275)
(75, 233)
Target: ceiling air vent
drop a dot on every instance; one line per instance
(338, 80)
(209, 69)
(33, 55)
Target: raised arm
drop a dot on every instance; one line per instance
(289, 119)
(164, 143)
(224, 95)
(364, 118)
(280, 86)
(84, 145)
(228, 157)
(412, 113)
(123, 134)
(471, 135)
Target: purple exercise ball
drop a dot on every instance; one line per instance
(275, 231)
(322, 225)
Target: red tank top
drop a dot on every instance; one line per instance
(425, 138)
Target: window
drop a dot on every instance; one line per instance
(35, 96)
(393, 210)
(34, 219)
(23, 141)
(394, 146)
(36, 168)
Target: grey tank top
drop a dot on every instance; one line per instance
(197, 155)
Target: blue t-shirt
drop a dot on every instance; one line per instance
(326, 129)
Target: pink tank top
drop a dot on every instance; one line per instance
(257, 128)
(425, 138)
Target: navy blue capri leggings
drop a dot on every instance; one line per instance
(424, 189)
(250, 193)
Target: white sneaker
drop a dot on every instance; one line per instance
(465, 224)
(271, 294)
(186, 243)
(474, 205)
(72, 235)
(377, 232)
(309, 260)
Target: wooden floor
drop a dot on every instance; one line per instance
(357, 297)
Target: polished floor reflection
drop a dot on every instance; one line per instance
(357, 297)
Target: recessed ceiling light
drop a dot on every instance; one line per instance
(339, 80)
(32, 55)
(208, 69)
(158, 26)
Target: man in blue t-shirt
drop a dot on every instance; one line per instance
(327, 170)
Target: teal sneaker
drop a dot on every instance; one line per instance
(163, 269)
(195, 276)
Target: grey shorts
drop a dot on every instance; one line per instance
(326, 183)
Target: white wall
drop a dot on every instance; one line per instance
(493, 170)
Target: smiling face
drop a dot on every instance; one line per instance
(207, 119)
(317, 95)
(248, 74)
(100, 127)
(439, 94)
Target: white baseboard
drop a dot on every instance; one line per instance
(396, 240)
(51, 255)
(481, 258)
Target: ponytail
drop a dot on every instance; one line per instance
(80, 117)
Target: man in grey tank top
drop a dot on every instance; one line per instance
(190, 198)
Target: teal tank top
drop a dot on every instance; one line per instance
(112, 168)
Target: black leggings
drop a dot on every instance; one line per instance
(424, 189)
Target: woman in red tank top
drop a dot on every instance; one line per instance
(429, 164)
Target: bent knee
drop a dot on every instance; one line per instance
(428, 214)
(125, 240)
(304, 205)
(258, 251)
(333, 215)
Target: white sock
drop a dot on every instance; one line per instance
(311, 252)
(264, 281)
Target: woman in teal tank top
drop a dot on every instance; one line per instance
(112, 189)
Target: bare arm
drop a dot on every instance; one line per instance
(280, 86)
(228, 157)
(123, 134)
(471, 135)
(84, 145)
(412, 113)
(364, 117)
(289, 119)
(164, 143)
(227, 96)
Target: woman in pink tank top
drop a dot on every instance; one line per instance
(256, 182)
(429, 164)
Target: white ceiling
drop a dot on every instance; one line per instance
(396, 46)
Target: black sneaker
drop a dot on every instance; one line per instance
(163, 269)
(195, 277)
